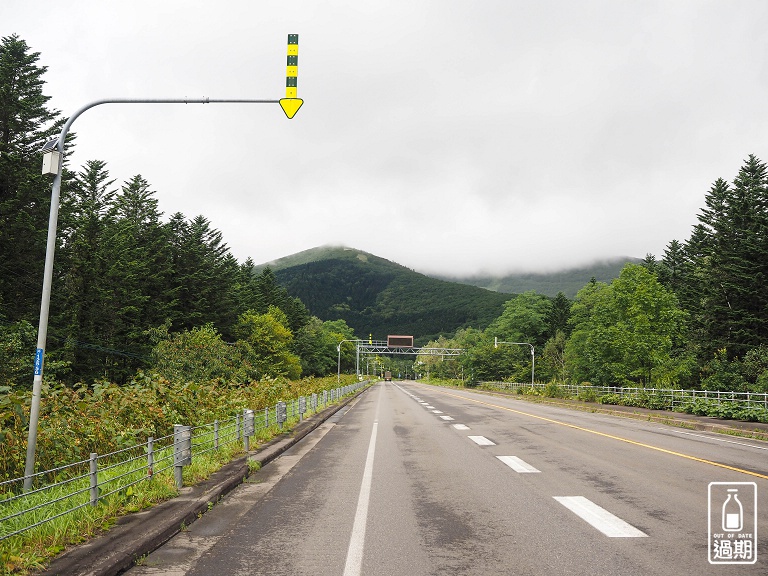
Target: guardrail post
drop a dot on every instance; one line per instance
(281, 413)
(302, 407)
(248, 428)
(237, 426)
(266, 417)
(182, 451)
(94, 476)
(216, 434)
(150, 457)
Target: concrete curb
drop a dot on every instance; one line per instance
(138, 534)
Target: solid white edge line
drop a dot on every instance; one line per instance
(717, 439)
(518, 465)
(354, 563)
(610, 525)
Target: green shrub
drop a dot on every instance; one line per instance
(610, 398)
(553, 390)
(587, 393)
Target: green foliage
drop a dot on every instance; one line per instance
(199, 355)
(17, 344)
(489, 363)
(552, 362)
(723, 409)
(722, 374)
(267, 341)
(525, 319)
(553, 390)
(439, 367)
(736, 375)
(587, 393)
(106, 417)
(626, 333)
(76, 422)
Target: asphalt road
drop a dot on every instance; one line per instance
(413, 479)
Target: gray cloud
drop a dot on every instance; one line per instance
(448, 136)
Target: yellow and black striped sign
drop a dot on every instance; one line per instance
(291, 103)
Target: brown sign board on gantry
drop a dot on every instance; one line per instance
(400, 341)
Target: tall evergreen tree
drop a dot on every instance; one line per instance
(82, 302)
(270, 293)
(137, 258)
(25, 121)
(728, 264)
(672, 267)
(558, 315)
(206, 276)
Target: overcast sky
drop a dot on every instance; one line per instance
(449, 136)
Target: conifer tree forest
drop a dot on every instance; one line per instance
(134, 288)
(131, 288)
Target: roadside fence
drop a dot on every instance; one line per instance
(668, 396)
(86, 483)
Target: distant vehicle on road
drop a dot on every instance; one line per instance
(388, 376)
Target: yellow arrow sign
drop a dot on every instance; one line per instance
(291, 105)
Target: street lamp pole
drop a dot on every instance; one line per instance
(496, 343)
(42, 331)
(338, 364)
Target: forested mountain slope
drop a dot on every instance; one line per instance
(568, 281)
(379, 297)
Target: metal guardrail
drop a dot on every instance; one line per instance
(85, 483)
(675, 396)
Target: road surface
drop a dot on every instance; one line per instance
(414, 480)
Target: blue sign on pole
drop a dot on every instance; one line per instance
(39, 362)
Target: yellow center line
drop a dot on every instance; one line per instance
(611, 436)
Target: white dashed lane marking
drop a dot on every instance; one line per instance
(461, 427)
(610, 525)
(518, 465)
(482, 441)
(446, 417)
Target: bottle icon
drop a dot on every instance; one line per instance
(733, 512)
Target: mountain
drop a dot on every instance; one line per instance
(568, 281)
(379, 297)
